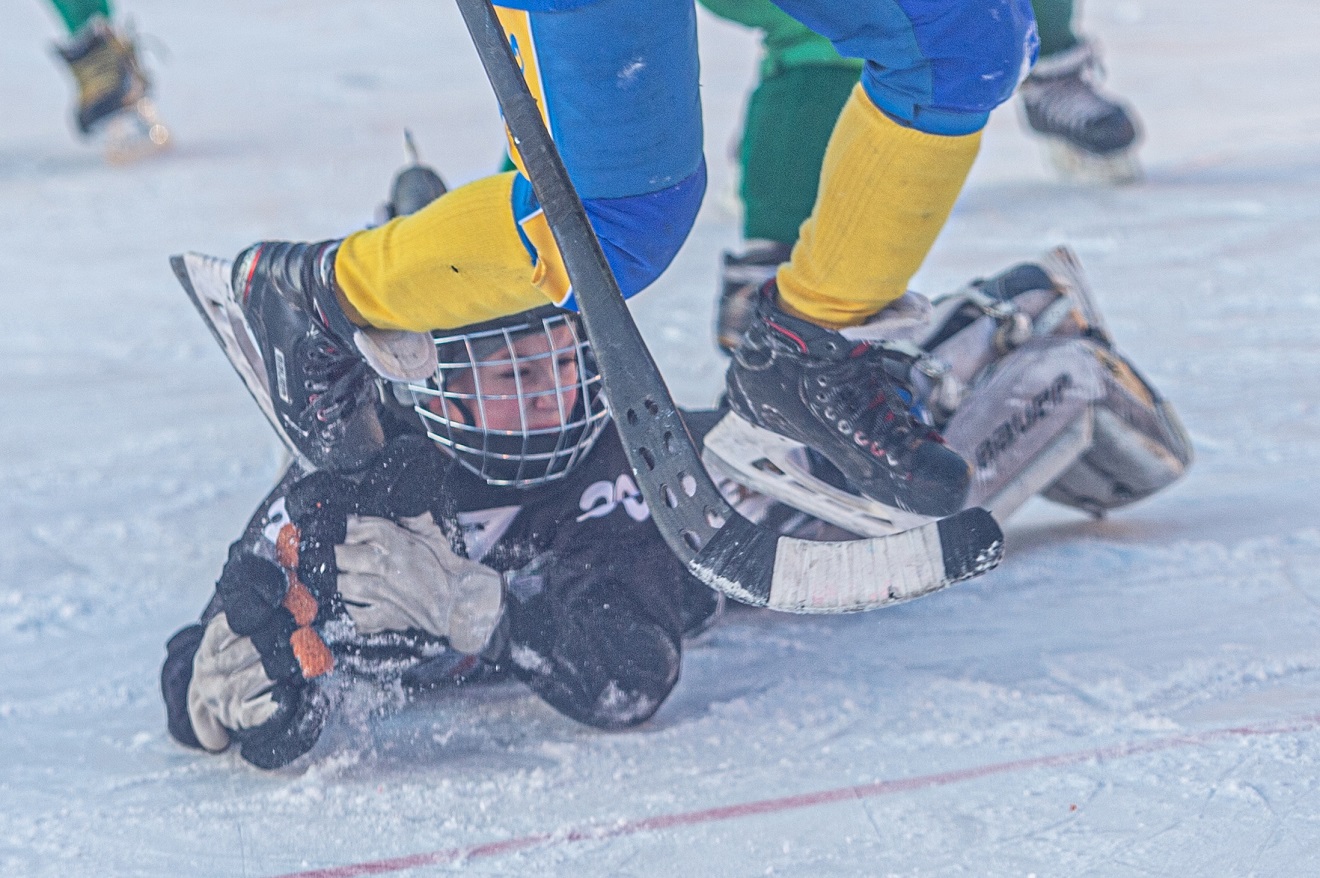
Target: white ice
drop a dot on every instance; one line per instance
(1168, 657)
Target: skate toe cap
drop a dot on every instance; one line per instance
(940, 481)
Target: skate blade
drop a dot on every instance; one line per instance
(206, 281)
(208, 286)
(134, 134)
(1117, 169)
(778, 467)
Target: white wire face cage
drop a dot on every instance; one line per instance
(518, 402)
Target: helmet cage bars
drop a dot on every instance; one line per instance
(497, 371)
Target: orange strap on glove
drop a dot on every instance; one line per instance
(313, 656)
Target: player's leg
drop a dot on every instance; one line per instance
(113, 90)
(903, 145)
(1062, 102)
(1054, 23)
(789, 120)
(897, 159)
(617, 81)
(620, 97)
(803, 86)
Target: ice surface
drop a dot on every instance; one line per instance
(1168, 657)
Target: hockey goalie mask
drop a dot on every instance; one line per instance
(516, 401)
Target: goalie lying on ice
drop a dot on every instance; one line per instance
(523, 549)
(501, 533)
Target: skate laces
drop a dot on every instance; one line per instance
(334, 382)
(861, 397)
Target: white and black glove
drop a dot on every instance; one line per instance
(229, 688)
(397, 576)
(233, 696)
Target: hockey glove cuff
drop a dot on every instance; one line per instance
(270, 605)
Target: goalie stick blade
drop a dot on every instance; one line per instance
(745, 562)
(205, 279)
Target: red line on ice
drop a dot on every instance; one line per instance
(804, 800)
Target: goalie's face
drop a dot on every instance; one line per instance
(518, 403)
(529, 382)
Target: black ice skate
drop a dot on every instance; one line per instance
(318, 364)
(114, 94)
(314, 374)
(741, 278)
(1090, 136)
(848, 402)
(415, 185)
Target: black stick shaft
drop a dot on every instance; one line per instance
(687, 506)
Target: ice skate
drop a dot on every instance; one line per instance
(313, 373)
(415, 185)
(318, 392)
(741, 278)
(318, 364)
(969, 333)
(206, 280)
(114, 94)
(1089, 136)
(847, 399)
(1019, 373)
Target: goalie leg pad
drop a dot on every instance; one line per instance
(1069, 418)
(1027, 421)
(985, 353)
(1139, 446)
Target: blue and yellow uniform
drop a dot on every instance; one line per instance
(617, 82)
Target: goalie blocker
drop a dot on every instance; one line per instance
(1020, 374)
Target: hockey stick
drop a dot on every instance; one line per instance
(748, 563)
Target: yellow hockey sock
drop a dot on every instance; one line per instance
(885, 193)
(456, 262)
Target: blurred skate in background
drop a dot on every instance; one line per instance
(114, 104)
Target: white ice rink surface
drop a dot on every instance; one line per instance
(1138, 696)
